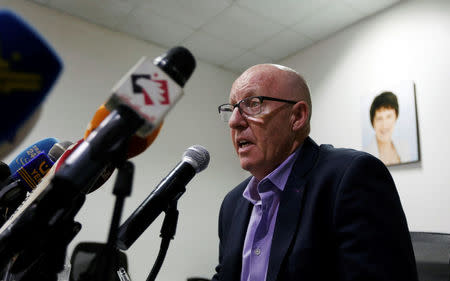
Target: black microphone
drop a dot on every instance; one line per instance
(195, 159)
(5, 172)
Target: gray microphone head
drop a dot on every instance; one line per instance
(197, 156)
(58, 149)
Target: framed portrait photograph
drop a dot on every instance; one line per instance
(389, 124)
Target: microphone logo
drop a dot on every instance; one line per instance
(31, 153)
(153, 90)
(149, 91)
(33, 173)
(16, 80)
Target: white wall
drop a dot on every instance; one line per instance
(94, 59)
(407, 42)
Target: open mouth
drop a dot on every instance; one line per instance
(243, 143)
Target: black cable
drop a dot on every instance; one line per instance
(168, 230)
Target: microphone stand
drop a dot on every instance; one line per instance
(122, 189)
(168, 230)
(102, 267)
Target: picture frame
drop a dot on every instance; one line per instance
(390, 125)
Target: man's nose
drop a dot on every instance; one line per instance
(236, 119)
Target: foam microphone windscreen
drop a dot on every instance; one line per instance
(137, 144)
(30, 152)
(29, 68)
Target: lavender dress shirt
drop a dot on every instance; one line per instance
(265, 196)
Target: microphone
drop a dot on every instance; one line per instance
(58, 149)
(195, 159)
(5, 172)
(136, 144)
(34, 170)
(22, 181)
(135, 109)
(28, 177)
(104, 175)
(29, 153)
(29, 68)
(13, 191)
(14, 194)
(131, 113)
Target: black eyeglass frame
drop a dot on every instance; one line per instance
(261, 100)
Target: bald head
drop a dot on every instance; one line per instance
(282, 81)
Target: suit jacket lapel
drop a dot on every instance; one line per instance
(289, 211)
(236, 239)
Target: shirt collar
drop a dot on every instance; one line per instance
(277, 177)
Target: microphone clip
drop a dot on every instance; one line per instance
(169, 226)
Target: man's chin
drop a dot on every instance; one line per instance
(253, 167)
(246, 164)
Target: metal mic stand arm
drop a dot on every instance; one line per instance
(168, 230)
(122, 189)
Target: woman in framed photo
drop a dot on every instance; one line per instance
(383, 116)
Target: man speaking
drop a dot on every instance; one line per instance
(308, 212)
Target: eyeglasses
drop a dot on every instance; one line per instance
(250, 106)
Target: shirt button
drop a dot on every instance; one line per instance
(257, 251)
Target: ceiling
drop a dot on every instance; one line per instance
(233, 34)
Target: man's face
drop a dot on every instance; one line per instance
(384, 124)
(264, 141)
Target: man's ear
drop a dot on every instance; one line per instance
(300, 115)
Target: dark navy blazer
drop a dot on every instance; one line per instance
(340, 218)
